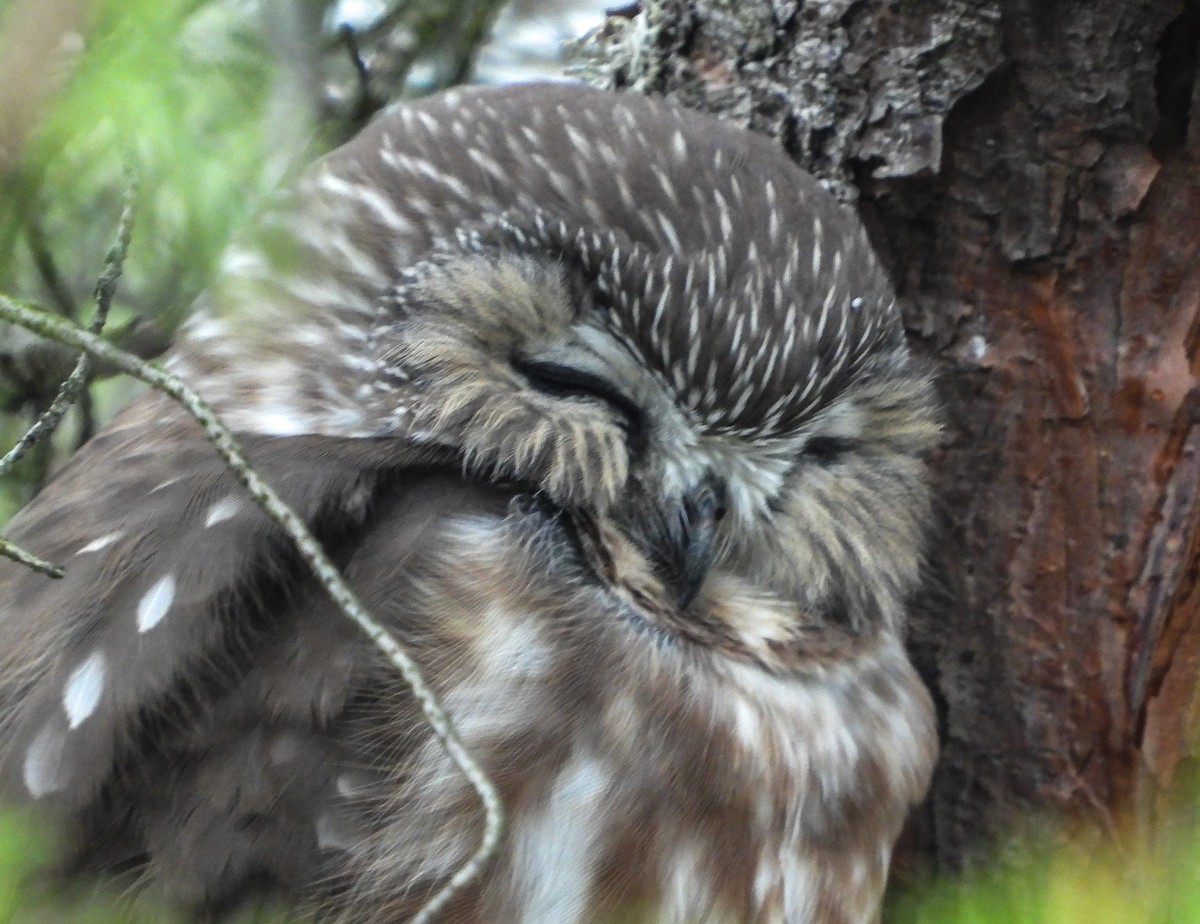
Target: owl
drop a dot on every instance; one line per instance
(604, 409)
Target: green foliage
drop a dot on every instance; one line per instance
(1073, 884)
(24, 847)
(183, 95)
(174, 91)
(28, 897)
(1070, 885)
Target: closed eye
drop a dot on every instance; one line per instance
(569, 382)
(825, 450)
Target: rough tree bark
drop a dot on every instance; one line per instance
(1030, 171)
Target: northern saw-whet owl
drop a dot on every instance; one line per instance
(604, 408)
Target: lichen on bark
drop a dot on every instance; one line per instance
(848, 86)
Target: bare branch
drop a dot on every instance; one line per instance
(366, 102)
(68, 392)
(29, 560)
(326, 572)
(43, 259)
(106, 287)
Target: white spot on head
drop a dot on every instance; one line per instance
(43, 768)
(222, 510)
(484, 161)
(154, 605)
(679, 146)
(81, 694)
(102, 543)
(978, 347)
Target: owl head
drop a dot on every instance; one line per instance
(633, 311)
(726, 424)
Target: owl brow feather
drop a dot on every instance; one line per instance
(702, 368)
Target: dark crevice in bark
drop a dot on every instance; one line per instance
(1175, 80)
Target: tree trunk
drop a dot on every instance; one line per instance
(1030, 171)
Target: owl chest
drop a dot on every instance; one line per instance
(662, 782)
(750, 813)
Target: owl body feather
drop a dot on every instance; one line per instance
(604, 409)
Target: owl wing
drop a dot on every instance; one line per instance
(169, 661)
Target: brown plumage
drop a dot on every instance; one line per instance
(604, 408)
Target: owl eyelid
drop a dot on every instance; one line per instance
(567, 381)
(824, 450)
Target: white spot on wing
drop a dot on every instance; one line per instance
(43, 770)
(331, 837)
(279, 422)
(222, 510)
(97, 544)
(348, 787)
(81, 694)
(154, 605)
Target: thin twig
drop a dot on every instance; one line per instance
(435, 713)
(106, 287)
(350, 42)
(366, 104)
(29, 560)
(43, 259)
(68, 392)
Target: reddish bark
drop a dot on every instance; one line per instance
(1056, 257)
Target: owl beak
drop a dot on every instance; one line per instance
(690, 540)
